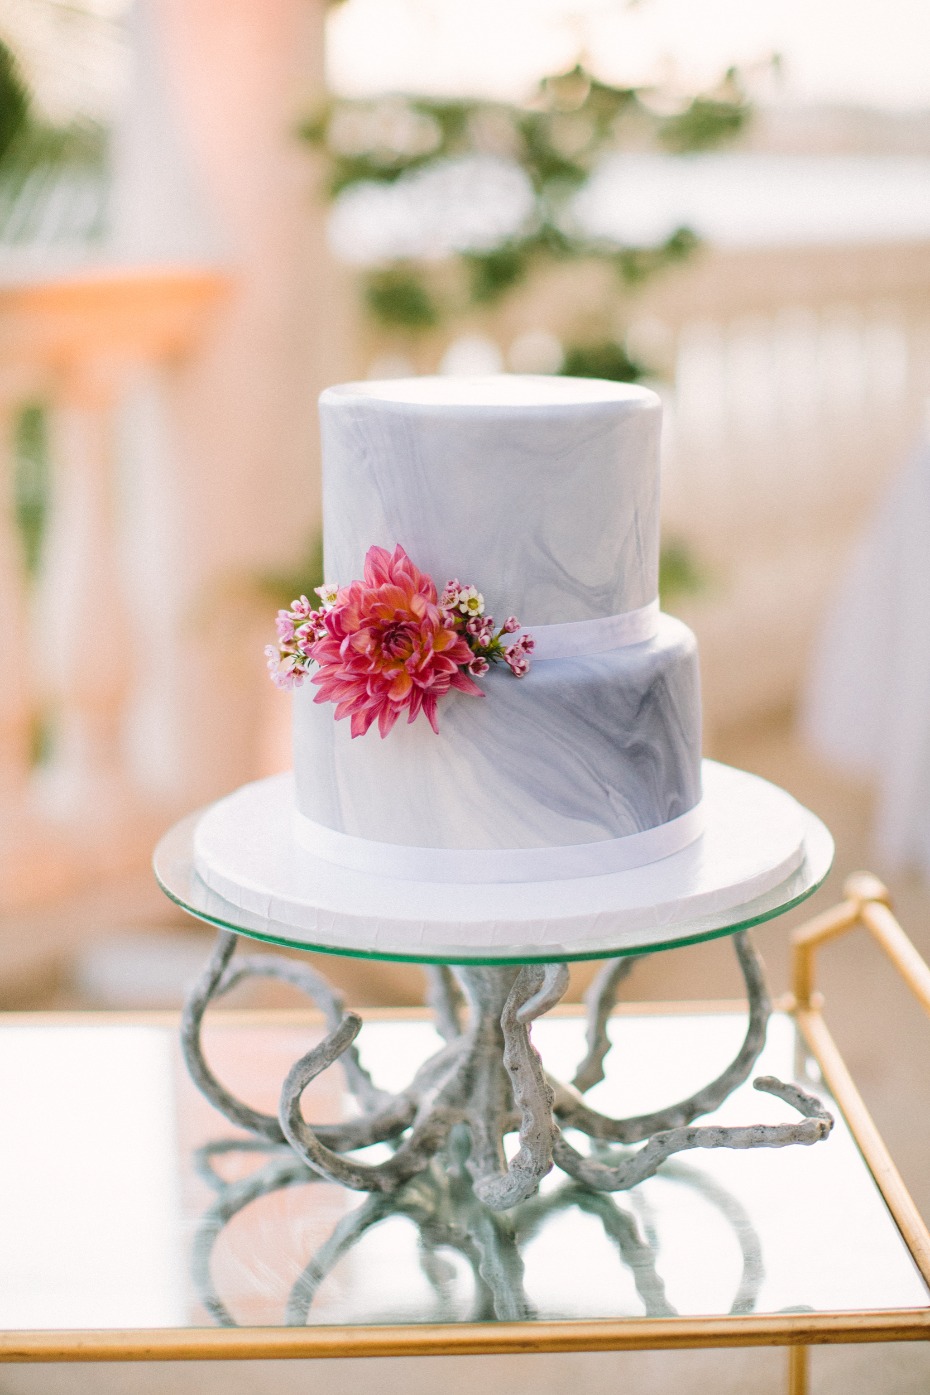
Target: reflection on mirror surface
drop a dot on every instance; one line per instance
(127, 1202)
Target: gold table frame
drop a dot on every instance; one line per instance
(865, 904)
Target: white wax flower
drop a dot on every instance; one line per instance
(328, 593)
(471, 602)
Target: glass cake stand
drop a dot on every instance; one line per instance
(487, 1089)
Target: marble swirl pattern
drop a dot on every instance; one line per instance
(549, 507)
(578, 751)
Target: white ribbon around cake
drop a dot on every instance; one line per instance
(577, 638)
(465, 865)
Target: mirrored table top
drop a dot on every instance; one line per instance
(128, 1204)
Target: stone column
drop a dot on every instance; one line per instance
(15, 675)
(210, 167)
(33, 865)
(81, 628)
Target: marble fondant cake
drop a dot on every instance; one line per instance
(544, 493)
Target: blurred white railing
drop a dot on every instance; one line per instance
(185, 462)
(69, 649)
(801, 380)
(795, 382)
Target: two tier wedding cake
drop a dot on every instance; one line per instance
(457, 770)
(547, 500)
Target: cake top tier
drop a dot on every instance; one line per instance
(495, 390)
(541, 491)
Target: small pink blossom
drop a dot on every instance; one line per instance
(286, 669)
(312, 629)
(518, 663)
(511, 625)
(516, 656)
(481, 629)
(478, 666)
(328, 594)
(450, 594)
(284, 624)
(301, 608)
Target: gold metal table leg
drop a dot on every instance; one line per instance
(798, 1370)
(866, 904)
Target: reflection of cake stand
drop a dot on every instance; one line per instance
(487, 987)
(441, 1203)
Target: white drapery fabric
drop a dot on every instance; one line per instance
(867, 706)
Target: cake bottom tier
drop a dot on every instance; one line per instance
(580, 751)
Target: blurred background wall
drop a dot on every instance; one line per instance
(209, 209)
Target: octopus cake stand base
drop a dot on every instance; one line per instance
(489, 1080)
(486, 1091)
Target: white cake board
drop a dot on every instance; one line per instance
(238, 864)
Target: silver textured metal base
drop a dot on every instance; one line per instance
(489, 1077)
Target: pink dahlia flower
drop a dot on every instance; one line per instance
(386, 649)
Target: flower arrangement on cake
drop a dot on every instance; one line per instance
(392, 643)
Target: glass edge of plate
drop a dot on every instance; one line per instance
(818, 834)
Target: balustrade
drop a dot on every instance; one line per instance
(68, 649)
(15, 694)
(184, 443)
(21, 863)
(794, 401)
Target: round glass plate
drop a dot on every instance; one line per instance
(174, 870)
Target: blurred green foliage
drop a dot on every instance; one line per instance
(707, 120)
(31, 481)
(14, 101)
(397, 295)
(558, 140)
(53, 185)
(635, 265)
(605, 359)
(51, 190)
(282, 587)
(680, 573)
